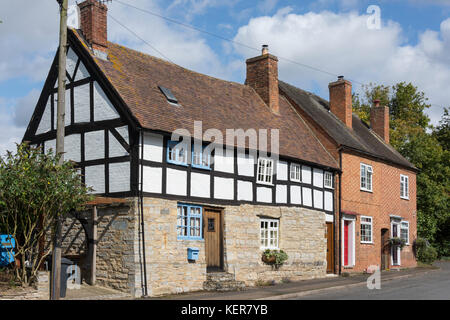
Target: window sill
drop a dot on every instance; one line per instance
(366, 190)
(403, 198)
(371, 243)
(177, 163)
(265, 183)
(200, 167)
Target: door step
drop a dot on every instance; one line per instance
(222, 281)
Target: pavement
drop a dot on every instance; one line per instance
(298, 289)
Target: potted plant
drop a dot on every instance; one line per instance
(397, 242)
(275, 257)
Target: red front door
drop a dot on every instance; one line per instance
(346, 223)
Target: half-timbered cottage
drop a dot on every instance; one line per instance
(194, 215)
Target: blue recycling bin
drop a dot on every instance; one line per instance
(7, 246)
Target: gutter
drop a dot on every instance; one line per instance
(339, 212)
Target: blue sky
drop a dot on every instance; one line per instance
(412, 44)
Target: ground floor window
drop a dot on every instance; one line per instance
(404, 231)
(189, 222)
(269, 233)
(366, 229)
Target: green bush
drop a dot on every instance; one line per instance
(424, 251)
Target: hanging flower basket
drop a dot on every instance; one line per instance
(274, 257)
(397, 242)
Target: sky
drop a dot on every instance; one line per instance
(381, 42)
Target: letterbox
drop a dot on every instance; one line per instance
(193, 254)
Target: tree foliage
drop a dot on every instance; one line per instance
(424, 146)
(34, 190)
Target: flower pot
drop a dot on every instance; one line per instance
(270, 259)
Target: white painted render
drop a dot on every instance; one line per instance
(95, 178)
(281, 193)
(318, 199)
(306, 174)
(103, 108)
(246, 165)
(50, 144)
(264, 194)
(119, 177)
(45, 125)
(223, 188)
(94, 144)
(82, 109)
(318, 178)
(224, 162)
(282, 170)
(153, 147)
(296, 195)
(176, 182)
(200, 185)
(328, 201)
(152, 179)
(82, 72)
(245, 190)
(71, 62)
(307, 197)
(123, 131)
(115, 148)
(72, 148)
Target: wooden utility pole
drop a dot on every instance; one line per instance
(61, 107)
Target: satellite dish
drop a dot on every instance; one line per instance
(73, 16)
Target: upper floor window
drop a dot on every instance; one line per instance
(328, 180)
(295, 172)
(189, 222)
(366, 177)
(366, 229)
(200, 159)
(177, 152)
(265, 171)
(404, 187)
(269, 233)
(404, 231)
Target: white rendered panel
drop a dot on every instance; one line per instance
(119, 177)
(115, 148)
(282, 170)
(152, 179)
(306, 174)
(281, 196)
(264, 194)
(123, 131)
(318, 199)
(307, 197)
(200, 185)
(318, 178)
(94, 145)
(71, 62)
(153, 147)
(67, 115)
(50, 145)
(72, 148)
(82, 109)
(224, 162)
(95, 178)
(223, 188)
(296, 195)
(328, 201)
(82, 72)
(46, 125)
(103, 108)
(176, 182)
(328, 217)
(246, 165)
(245, 190)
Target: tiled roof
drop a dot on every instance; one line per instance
(217, 103)
(360, 138)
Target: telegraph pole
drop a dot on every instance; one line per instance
(61, 107)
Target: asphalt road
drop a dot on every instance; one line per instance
(434, 285)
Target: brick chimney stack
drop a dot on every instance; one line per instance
(262, 75)
(379, 120)
(93, 23)
(341, 100)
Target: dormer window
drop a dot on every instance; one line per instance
(168, 94)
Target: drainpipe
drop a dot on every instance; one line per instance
(141, 199)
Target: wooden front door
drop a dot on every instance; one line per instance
(212, 229)
(384, 249)
(330, 248)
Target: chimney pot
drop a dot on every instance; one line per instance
(265, 49)
(376, 102)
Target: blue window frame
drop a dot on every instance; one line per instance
(189, 222)
(199, 159)
(177, 153)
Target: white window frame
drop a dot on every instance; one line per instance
(404, 187)
(266, 173)
(399, 262)
(328, 177)
(371, 229)
(402, 228)
(268, 230)
(368, 170)
(295, 172)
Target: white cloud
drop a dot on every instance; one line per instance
(342, 44)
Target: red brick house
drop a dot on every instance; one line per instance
(377, 186)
